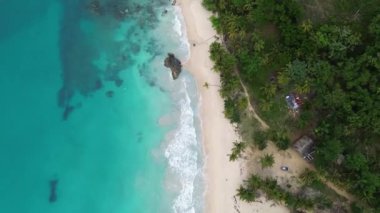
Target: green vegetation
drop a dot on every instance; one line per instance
(224, 63)
(280, 138)
(237, 150)
(311, 179)
(260, 139)
(313, 195)
(266, 161)
(246, 194)
(326, 52)
(254, 185)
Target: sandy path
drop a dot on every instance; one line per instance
(263, 125)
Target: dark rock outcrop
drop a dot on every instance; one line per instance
(174, 64)
(110, 93)
(53, 190)
(95, 7)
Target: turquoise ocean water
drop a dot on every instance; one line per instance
(87, 104)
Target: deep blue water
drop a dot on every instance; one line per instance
(82, 95)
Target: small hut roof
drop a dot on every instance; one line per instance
(304, 145)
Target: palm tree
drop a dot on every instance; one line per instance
(233, 156)
(260, 139)
(254, 182)
(282, 143)
(283, 79)
(266, 105)
(267, 161)
(259, 44)
(232, 26)
(308, 176)
(237, 150)
(269, 90)
(245, 194)
(303, 88)
(306, 25)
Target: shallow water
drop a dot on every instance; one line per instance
(82, 93)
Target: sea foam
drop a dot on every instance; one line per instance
(179, 27)
(182, 152)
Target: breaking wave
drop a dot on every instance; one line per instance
(182, 152)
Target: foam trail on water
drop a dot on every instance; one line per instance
(180, 28)
(182, 153)
(177, 25)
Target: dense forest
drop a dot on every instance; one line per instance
(325, 52)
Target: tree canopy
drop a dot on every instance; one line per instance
(329, 55)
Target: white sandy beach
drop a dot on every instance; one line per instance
(222, 176)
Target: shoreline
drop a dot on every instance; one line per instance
(222, 177)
